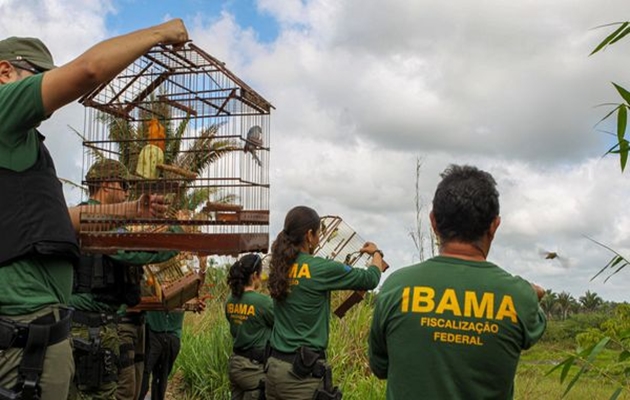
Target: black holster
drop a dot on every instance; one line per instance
(94, 364)
(305, 361)
(329, 392)
(34, 338)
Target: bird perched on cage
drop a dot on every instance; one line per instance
(152, 153)
(253, 142)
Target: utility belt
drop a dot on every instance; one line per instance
(95, 365)
(135, 318)
(34, 337)
(307, 362)
(15, 334)
(94, 319)
(253, 354)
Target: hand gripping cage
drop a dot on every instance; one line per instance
(339, 242)
(188, 130)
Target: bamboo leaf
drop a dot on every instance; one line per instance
(608, 115)
(623, 93)
(566, 369)
(616, 271)
(609, 38)
(605, 267)
(622, 121)
(623, 154)
(620, 36)
(592, 352)
(609, 249)
(616, 394)
(562, 365)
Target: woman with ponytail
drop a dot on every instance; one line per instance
(250, 315)
(300, 285)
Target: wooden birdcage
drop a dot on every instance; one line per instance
(188, 129)
(339, 242)
(171, 284)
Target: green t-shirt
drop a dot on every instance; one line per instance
(166, 321)
(251, 320)
(29, 283)
(302, 319)
(452, 329)
(86, 302)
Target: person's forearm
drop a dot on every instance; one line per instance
(106, 59)
(121, 210)
(103, 61)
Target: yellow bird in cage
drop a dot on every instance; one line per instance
(153, 153)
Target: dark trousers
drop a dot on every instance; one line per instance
(161, 352)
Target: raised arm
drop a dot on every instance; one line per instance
(147, 206)
(102, 62)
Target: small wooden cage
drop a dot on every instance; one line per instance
(339, 242)
(188, 129)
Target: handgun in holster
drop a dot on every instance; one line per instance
(329, 392)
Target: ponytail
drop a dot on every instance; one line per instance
(286, 247)
(241, 272)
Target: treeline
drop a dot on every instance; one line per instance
(560, 306)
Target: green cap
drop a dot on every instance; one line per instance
(107, 169)
(29, 49)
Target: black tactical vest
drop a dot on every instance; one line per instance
(110, 281)
(34, 218)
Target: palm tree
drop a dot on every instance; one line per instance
(565, 303)
(549, 303)
(590, 301)
(204, 150)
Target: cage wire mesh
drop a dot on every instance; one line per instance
(339, 242)
(186, 128)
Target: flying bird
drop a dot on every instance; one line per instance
(253, 142)
(552, 255)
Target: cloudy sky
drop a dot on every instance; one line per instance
(364, 88)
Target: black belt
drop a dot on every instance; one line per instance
(94, 319)
(289, 357)
(252, 353)
(15, 334)
(135, 318)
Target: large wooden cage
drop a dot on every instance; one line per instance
(190, 130)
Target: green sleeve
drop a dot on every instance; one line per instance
(534, 323)
(377, 342)
(143, 257)
(338, 276)
(268, 315)
(21, 111)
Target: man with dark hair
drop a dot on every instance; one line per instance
(453, 327)
(39, 246)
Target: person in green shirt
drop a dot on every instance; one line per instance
(300, 285)
(103, 285)
(453, 327)
(250, 315)
(36, 260)
(164, 333)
